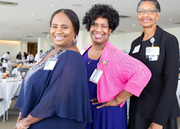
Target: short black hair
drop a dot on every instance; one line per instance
(71, 15)
(155, 2)
(104, 11)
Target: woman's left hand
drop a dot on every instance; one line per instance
(18, 125)
(111, 103)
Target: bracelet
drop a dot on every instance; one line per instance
(118, 99)
(21, 123)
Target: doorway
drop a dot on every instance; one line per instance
(32, 47)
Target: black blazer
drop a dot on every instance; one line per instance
(158, 100)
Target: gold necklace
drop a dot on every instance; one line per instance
(89, 60)
(97, 53)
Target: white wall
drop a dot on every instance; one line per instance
(12, 46)
(123, 41)
(23, 48)
(84, 40)
(175, 32)
(44, 44)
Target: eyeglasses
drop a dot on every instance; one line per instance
(150, 11)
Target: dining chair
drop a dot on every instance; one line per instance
(23, 70)
(3, 69)
(12, 75)
(1, 99)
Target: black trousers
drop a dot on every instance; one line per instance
(138, 122)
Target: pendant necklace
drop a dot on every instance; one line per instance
(98, 52)
(89, 60)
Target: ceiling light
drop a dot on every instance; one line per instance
(32, 15)
(39, 19)
(134, 25)
(51, 5)
(170, 19)
(45, 32)
(29, 36)
(124, 16)
(177, 23)
(8, 3)
(76, 4)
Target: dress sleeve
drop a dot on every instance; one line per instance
(67, 93)
(168, 94)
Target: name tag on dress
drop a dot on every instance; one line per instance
(50, 64)
(95, 76)
(152, 53)
(136, 49)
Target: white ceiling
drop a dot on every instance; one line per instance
(17, 22)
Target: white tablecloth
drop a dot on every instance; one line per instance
(8, 66)
(7, 92)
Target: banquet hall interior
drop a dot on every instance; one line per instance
(24, 29)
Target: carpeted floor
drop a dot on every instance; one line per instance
(13, 115)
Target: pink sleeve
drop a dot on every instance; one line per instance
(137, 76)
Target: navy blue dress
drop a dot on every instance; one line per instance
(106, 117)
(60, 96)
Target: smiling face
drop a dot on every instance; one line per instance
(149, 17)
(61, 31)
(100, 31)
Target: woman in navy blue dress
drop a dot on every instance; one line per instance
(54, 93)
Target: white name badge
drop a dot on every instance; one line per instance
(152, 51)
(136, 49)
(95, 76)
(50, 64)
(153, 58)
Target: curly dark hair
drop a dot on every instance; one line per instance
(104, 11)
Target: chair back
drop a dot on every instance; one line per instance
(23, 70)
(1, 99)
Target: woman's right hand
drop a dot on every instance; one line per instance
(110, 103)
(155, 126)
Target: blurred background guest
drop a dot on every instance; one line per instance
(19, 56)
(25, 55)
(30, 57)
(6, 57)
(38, 55)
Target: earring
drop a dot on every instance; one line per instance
(75, 41)
(48, 38)
(156, 22)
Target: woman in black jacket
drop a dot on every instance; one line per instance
(157, 107)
